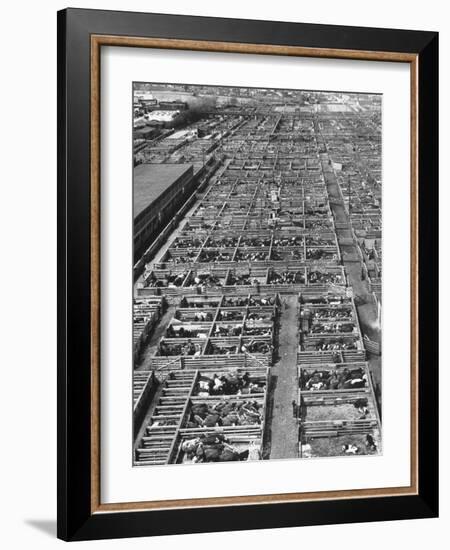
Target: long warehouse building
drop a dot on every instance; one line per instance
(159, 191)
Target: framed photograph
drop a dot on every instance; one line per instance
(247, 255)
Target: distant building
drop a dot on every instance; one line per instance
(149, 102)
(173, 105)
(146, 132)
(159, 190)
(166, 119)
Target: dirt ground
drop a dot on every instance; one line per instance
(345, 411)
(332, 446)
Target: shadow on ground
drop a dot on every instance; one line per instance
(46, 526)
(269, 415)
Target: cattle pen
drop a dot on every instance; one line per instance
(253, 304)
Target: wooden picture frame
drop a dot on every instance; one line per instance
(81, 35)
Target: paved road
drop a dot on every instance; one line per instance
(282, 426)
(367, 311)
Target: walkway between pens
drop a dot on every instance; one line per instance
(282, 425)
(367, 311)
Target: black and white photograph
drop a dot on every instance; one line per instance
(229, 235)
(257, 274)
